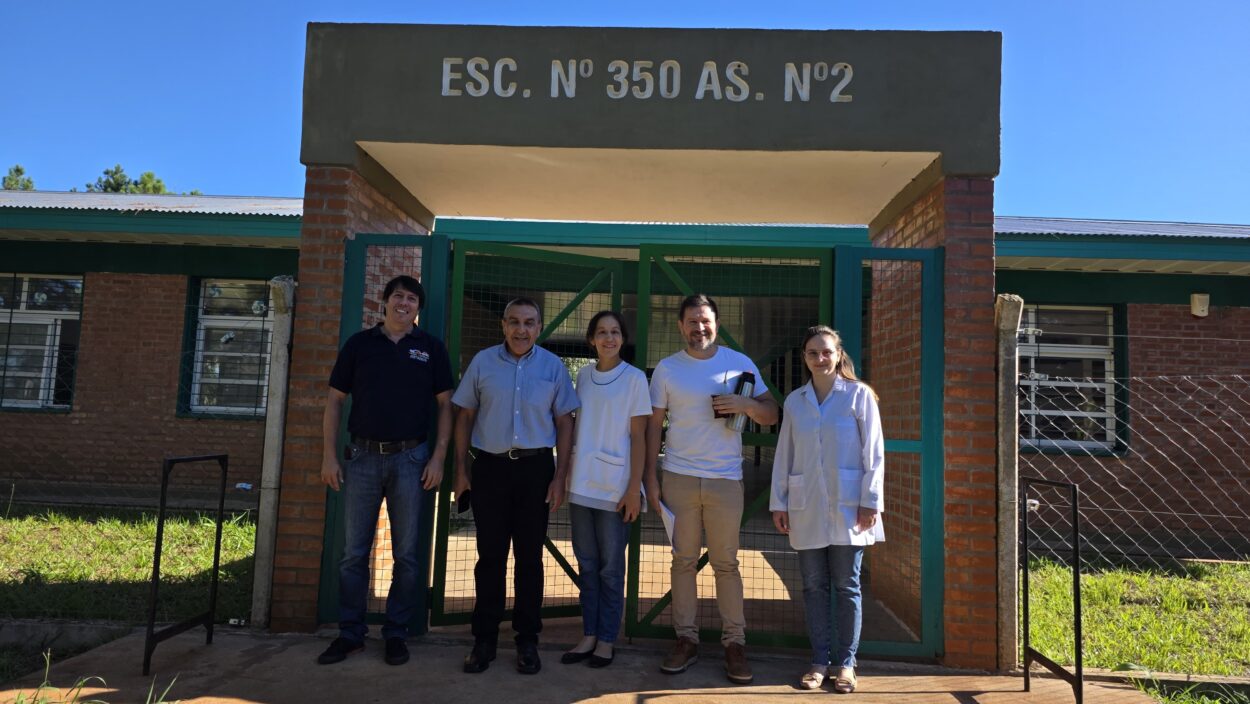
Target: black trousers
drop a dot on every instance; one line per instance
(509, 501)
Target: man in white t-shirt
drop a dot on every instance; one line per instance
(702, 482)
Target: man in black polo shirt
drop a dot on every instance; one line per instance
(394, 373)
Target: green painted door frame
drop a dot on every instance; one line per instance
(847, 319)
(433, 276)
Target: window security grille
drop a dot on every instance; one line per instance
(40, 321)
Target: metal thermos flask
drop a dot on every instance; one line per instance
(744, 387)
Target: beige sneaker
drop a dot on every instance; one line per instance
(685, 653)
(736, 666)
(814, 678)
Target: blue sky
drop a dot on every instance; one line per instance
(1110, 109)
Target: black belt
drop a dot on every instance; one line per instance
(386, 447)
(515, 453)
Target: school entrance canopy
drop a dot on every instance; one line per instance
(567, 134)
(651, 125)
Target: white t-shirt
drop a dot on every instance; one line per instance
(609, 399)
(699, 444)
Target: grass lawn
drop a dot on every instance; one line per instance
(96, 563)
(1193, 619)
(91, 563)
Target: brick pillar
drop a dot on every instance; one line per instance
(958, 214)
(338, 203)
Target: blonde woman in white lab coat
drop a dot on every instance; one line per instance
(827, 497)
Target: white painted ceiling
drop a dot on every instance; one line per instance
(661, 185)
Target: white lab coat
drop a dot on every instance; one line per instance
(830, 460)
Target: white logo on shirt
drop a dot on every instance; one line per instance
(419, 355)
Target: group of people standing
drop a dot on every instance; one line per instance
(526, 439)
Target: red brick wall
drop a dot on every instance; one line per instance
(1187, 444)
(338, 202)
(124, 416)
(958, 214)
(1213, 345)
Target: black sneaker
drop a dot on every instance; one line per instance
(396, 651)
(338, 651)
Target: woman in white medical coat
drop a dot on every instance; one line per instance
(827, 497)
(605, 484)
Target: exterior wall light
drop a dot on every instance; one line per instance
(1200, 304)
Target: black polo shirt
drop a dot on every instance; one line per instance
(392, 384)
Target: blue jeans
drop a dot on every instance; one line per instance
(599, 540)
(367, 479)
(826, 569)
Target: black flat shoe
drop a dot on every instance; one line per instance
(599, 661)
(479, 658)
(572, 658)
(338, 651)
(527, 660)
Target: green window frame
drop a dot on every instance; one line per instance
(226, 352)
(40, 326)
(1069, 397)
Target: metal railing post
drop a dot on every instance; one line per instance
(207, 618)
(1031, 655)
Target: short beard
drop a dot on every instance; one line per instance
(704, 343)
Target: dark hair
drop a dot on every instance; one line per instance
(594, 323)
(697, 300)
(524, 301)
(407, 283)
(846, 367)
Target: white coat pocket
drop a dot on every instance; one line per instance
(606, 475)
(797, 493)
(846, 434)
(849, 482)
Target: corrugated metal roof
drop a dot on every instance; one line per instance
(294, 207)
(135, 203)
(1010, 225)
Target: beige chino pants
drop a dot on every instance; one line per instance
(714, 506)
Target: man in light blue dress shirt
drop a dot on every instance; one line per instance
(515, 404)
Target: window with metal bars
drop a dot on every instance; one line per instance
(1067, 377)
(40, 321)
(233, 329)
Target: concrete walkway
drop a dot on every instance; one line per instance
(242, 666)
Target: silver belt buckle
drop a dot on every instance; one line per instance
(512, 456)
(382, 448)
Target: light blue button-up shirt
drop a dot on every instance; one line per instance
(517, 400)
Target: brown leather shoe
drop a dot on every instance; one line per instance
(684, 654)
(736, 666)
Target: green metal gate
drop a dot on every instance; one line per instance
(766, 296)
(888, 309)
(886, 303)
(571, 288)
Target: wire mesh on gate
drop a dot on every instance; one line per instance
(892, 364)
(383, 263)
(491, 280)
(765, 304)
